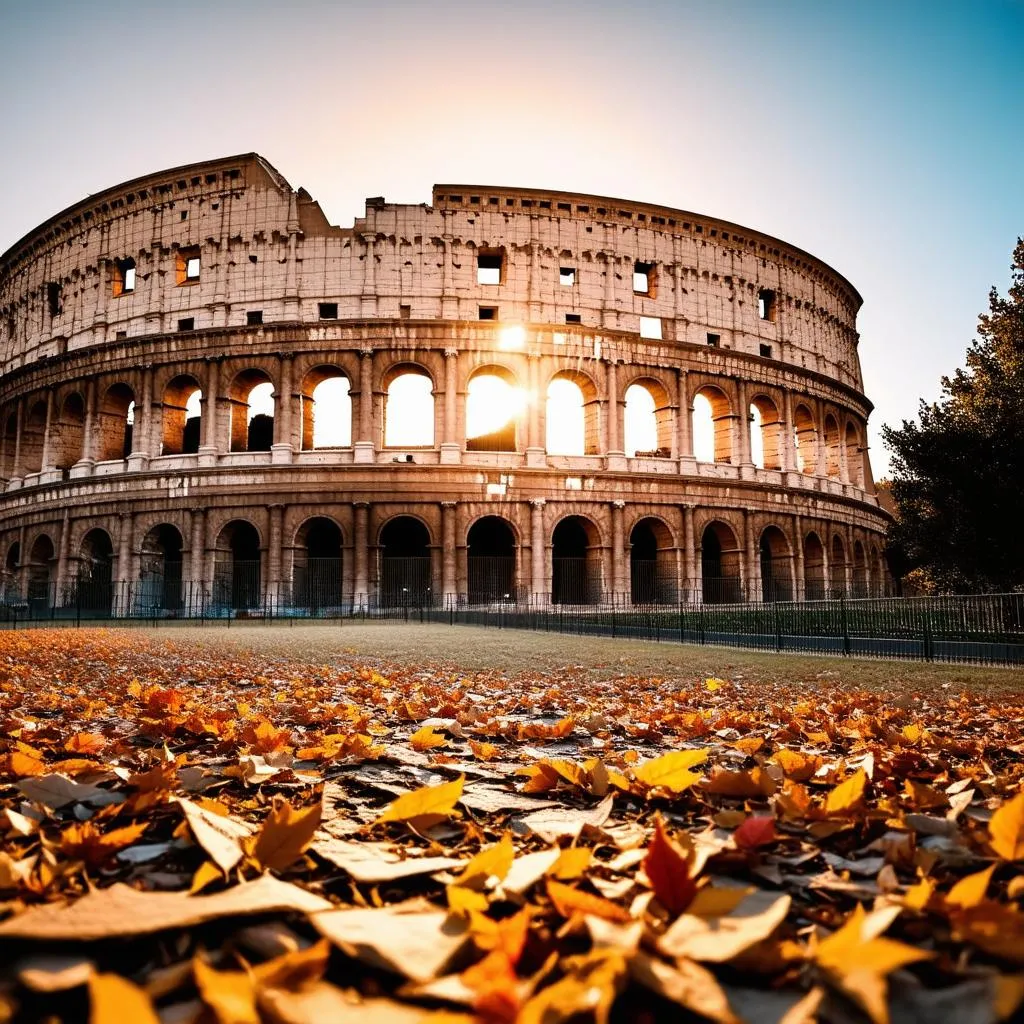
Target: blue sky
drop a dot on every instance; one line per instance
(886, 138)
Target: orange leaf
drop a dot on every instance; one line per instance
(426, 738)
(85, 842)
(21, 765)
(668, 868)
(484, 751)
(114, 1000)
(797, 766)
(433, 802)
(757, 830)
(671, 771)
(85, 743)
(970, 891)
(1006, 829)
(569, 901)
(285, 834)
(755, 783)
(847, 795)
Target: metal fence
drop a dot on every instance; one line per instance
(979, 628)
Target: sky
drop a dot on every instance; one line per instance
(886, 138)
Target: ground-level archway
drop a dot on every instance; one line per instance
(316, 574)
(491, 561)
(652, 570)
(405, 578)
(720, 565)
(160, 589)
(94, 584)
(237, 578)
(814, 568)
(575, 562)
(776, 566)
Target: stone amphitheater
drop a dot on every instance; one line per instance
(213, 398)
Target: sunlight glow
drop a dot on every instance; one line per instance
(491, 402)
(640, 427)
(261, 401)
(332, 414)
(756, 437)
(409, 412)
(511, 338)
(703, 430)
(566, 424)
(193, 405)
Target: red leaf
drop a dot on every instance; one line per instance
(668, 868)
(757, 830)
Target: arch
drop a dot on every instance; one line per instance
(11, 589)
(854, 456)
(805, 440)
(838, 565)
(776, 565)
(575, 562)
(160, 570)
(712, 425)
(832, 458)
(94, 582)
(325, 395)
(572, 418)
(814, 568)
(720, 564)
(316, 575)
(237, 575)
(408, 407)
(491, 561)
(39, 579)
(10, 443)
(67, 432)
(494, 407)
(647, 420)
(251, 395)
(652, 570)
(860, 570)
(181, 416)
(116, 423)
(405, 566)
(765, 433)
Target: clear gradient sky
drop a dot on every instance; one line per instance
(886, 138)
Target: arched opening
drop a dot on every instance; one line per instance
(652, 573)
(860, 570)
(405, 571)
(181, 413)
(252, 412)
(160, 583)
(572, 416)
(765, 434)
(11, 590)
(316, 580)
(117, 420)
(67, 432)
(39, 580)
(854, 456)
(94, 584)
(712, 426)
(575, 562)
(8, 469)
(814, 568)
(720, 565)
(326, 409)
(647, 426)
(32, 438)
(237, 582)
(831, 446)
(805, 438)
(491, 561)
(837, 562)
(776, 566)
(409, 409)
(494, 406)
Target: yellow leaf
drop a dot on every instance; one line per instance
(115, 1000)
(206, 874)
(426, 738)
(856, 948)
(714, 684)
(285, 834)
(572, 862)
(493, 862)
(917, 896)
(230, 995)
(1006, 829)
(484, 751)
(462, 900)
(1009, 995)
(671, 771)
(428, 801)
(569, 901)
(847, 795)
(295, 968)
(717, 902)
(912, 733)
(970, 891)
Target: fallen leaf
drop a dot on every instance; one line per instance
(220, 835)
(432, 803)
(569, 901)
(1006, 829)
(670, 771)
(667, 866)
(427, 738)
(284, 836)
(116, 1000)
(847, 796)
(230, 995)
(720, 939)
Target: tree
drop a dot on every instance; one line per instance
(958, 473)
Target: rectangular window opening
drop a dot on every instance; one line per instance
(253, 317)
(643, 278)
(489, 266)
(124, 276)
(188, 265)
(53, 299)
(567, 276)
(714, 340)
(766, 304)
(488, 312)
(573, 318)
(328, 310)
(766, 351)
(405, 312)
(187, 324)
(650, 327)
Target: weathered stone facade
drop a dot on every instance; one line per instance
(219, 277)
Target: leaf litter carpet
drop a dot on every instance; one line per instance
(201, 833)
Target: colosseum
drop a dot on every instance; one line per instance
(214, 401)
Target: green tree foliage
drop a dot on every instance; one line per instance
(958, 473)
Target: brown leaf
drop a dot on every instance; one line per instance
(720, 939)
(284, 836)
(220, 835)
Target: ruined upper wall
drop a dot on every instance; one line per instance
(265, 248)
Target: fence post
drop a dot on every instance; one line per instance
(778, 625)
(845, 625)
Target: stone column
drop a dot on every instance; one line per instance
(609, 316)
(368, 299)
(47, 462)
(87, 458)
(799, 569)
(620, 584)
(142, 429)
(536, 454)
(274, 587)
(62, 560)
(745, 453)
(819, 435)
(363, 448)
(22, 568)
(451, 444)
(616, 426)
(449, 592)
(844, 467)
(751, 561)
(787, 451)
(123, 578)
(361, 554)
(194, 571)
(684, 426)
(538, 561)
(282, 449)
(211, 393)
(19, 418)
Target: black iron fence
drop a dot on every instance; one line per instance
(978, 628)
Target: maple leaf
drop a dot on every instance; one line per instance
(21, 765)
(847, 796)
(484, 751)
(757, 830)
(569, 901)
(85, 743)
(754, 783)
(1006, 829)
(970, 891)
(428, 803)
(667, 866)
(86, 842)
(670, 771)
(284, 836)
(427, 738)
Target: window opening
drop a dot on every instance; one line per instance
(253, 318)
(489, 265)
(643, 278)
(573, 318)
(766, 304)
(187, 324)
(650, 327)
(567, 276)
(327, 310)
(488, 312)
(714, 340)
(53, 299)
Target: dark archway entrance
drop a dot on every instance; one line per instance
(575, 563)
(236, 582)
(94, 587)
(160, 586)
(776, 566)
(316, 580)
(719, 564)
(491, 561)
(405, 577)
(652, 577)
(39, 583)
